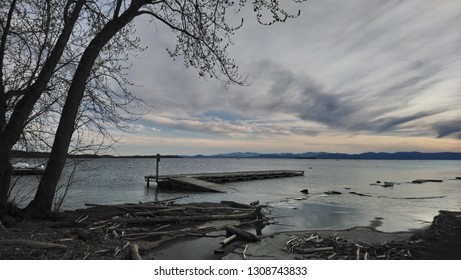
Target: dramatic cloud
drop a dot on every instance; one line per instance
(385, 72)
(448, 128)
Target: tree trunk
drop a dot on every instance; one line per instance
(10, 132)
(5, 179)
(43, 200)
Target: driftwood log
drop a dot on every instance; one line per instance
(242, 234)
(235, 204)
(229, 239)
(134, 248)
(194, 210)
(173, 233)
(176, 218)
(31, 244)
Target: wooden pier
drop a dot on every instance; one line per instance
(212, 182)
(194, 184)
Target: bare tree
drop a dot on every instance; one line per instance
(41, 45)
(203, 36)
(31, 46)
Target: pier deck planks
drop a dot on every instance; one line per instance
(209, 181)
(194, 184)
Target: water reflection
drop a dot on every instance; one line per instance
(316, 216)
(376, 222)
(151, 192)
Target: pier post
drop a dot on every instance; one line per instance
(156, 168)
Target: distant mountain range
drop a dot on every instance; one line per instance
(324, 155)
(308, 155)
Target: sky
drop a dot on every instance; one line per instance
(345, 76)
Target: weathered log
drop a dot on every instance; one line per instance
(236, 204)
(242, 234)
(151, 210)
(217, 208)
(229, 239)
(148, 212)
(165, 219)
(161, 206)
(193, 210)
(175, 233)
(135, 252)
(128, 207)
(31, 244)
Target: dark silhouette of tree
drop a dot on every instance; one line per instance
(31, 47)
(71, 74)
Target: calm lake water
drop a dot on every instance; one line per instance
(402, 207)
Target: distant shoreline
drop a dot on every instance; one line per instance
(248, 155)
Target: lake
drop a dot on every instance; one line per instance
(362, 201)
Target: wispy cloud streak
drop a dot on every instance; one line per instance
(351, 68)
